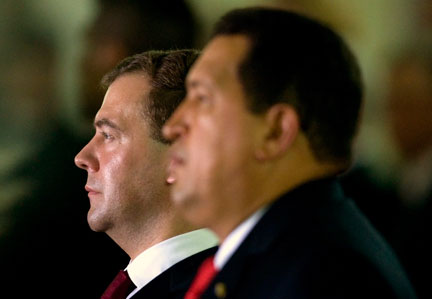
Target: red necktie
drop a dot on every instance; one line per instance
(119, 287)
(202, 279)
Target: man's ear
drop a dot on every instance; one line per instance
(282, 128)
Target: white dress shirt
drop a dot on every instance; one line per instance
(235, 238)
(158, 258)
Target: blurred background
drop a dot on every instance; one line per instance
(53, 54)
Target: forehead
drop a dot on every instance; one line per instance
(125, 95)
(127, 89)
(219, 60)
(123, 102)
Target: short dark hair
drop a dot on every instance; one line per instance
(166, 71)
(296, 60)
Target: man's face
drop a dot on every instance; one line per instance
(409, 107)
(213, 163)
(125, 166)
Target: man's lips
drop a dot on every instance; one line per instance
(91, 191)
(175, 162)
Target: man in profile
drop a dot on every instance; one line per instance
(271, 112)
(129, 197)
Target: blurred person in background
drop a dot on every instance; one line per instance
(409, 104)
(401, 205)
(44, 229)
(124, 28)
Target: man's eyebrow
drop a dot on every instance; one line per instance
(196, 83)
(106, 122)
(192, 83)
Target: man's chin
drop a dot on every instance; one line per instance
(188, 205)
(179, 197)
(95, 223)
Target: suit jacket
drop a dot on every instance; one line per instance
(313, 242)
(416, 245)
(174, 282)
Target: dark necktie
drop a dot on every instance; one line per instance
(202, 279)
(119, 288)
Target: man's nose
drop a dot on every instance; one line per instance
(86, 160)
(176, 125)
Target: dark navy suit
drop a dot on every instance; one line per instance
(313, 242)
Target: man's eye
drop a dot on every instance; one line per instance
(201, 98)
(107, 136)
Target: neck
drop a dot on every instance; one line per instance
(134, 241)
(273, 179)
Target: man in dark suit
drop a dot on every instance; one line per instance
(129, 196)
(271, 111)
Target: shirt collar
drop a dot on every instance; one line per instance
(158, 258)
(236, 237)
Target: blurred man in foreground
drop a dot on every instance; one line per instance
(271, 111)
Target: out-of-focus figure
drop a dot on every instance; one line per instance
(401, 204)
(410, 115)
(410, 118)
(124, 28)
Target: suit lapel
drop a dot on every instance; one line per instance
(283, 217)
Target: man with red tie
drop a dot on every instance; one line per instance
(129, 196)
(271, 111)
